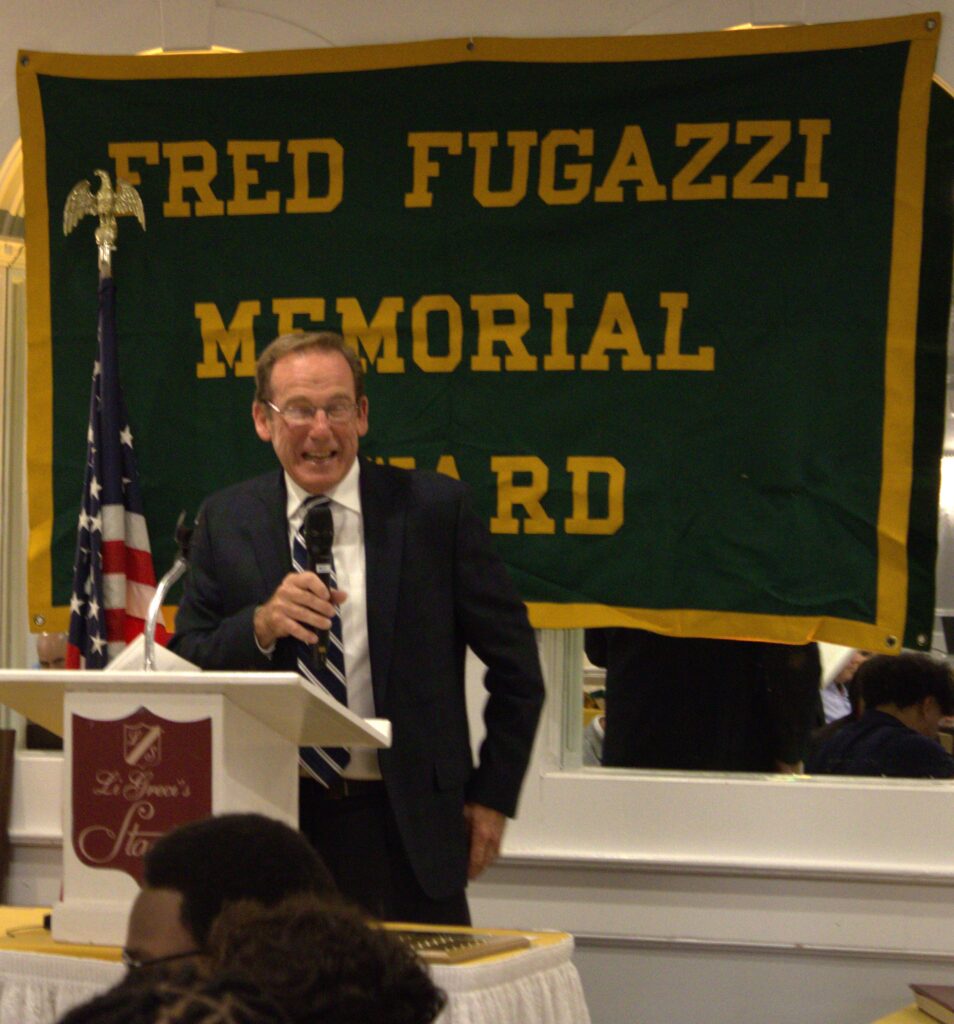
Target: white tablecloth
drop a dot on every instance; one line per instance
(536, 986)
(38, 988)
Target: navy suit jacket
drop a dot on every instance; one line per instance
(434, 586)
(880, 744)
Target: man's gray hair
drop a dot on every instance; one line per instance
(287, 344)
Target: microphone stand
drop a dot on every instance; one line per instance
(183, 537)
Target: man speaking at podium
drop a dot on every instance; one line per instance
(410, 581)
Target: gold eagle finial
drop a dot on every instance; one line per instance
(107, 204)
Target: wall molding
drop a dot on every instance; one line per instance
(713, 868)
(587, 940)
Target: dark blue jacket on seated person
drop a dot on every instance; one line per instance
(880, 744)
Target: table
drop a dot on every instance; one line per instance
(909, 1015)
(41, 979)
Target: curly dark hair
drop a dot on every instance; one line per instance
(906, 679)
(324, 964)
(216, 860)
(179, 995)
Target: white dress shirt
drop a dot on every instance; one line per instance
(348, 552)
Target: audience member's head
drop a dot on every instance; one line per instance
(301, 961)
(324, 964)
(51, 650)
(914, 687)
(192, 872)
(178, 996)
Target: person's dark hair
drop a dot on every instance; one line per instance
(286, 344)
(324, 964)
(232, 857)
(906, 679)
(178, 996)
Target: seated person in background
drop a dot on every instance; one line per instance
(593, 741)
(51, 650)
(301, 961)
(710, 705)
(905, 696)
(856, 707)
(836, 700)
(192, 872)
(50, 654)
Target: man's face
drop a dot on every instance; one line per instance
(51, 650)
(155, 930)
(851, 666)
(319, 454)
(930, 718)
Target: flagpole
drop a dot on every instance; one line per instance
(113, 577)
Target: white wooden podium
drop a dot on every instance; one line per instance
(144, 751)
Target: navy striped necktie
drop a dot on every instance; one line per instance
(323, 764)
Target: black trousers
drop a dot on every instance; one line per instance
(358, 839)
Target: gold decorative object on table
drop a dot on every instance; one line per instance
(107, 203)
(451, 947)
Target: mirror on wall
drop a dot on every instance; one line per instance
(687, 705)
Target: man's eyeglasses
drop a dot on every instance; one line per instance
(133, 963)
(299, 414)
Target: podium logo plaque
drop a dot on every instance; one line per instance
(142, 744)
(135, 778)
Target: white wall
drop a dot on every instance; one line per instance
(762, 900)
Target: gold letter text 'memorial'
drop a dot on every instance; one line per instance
(108, 204)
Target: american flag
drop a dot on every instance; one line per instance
(113, 577)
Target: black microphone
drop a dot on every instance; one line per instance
(183, 536)
(318, 534)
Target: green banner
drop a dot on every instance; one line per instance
(655, 299)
